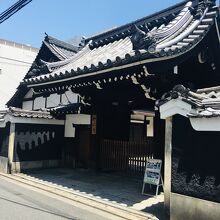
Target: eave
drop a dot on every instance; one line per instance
(202, 107)
(186, 41)
(15, 115)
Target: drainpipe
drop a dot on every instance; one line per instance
(11, 147)
(168, 165)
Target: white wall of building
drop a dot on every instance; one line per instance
(53, 100)
(150, 127)
(15, 61)
(27, 105)
(75, 119)
(39, 103)
(69, 96)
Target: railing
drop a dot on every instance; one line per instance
(128, 156)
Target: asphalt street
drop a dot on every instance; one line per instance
(21, 202)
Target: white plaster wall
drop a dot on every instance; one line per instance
(15, 61)
(29, 94)
(80, 119)
(186, 207)
(150, 127)
(69, 129)
(173, 107)
(3, 164)
(39, 103)
(27, 105)
(206, 124)
(53, 100)
(72, 97)
(77, 119)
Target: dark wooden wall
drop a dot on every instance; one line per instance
(195, 161)
(116, 123)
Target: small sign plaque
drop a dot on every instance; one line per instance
(94, 124)
(152, 174)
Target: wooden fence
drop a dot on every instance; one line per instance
(126, 156)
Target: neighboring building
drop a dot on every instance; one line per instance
(104, 91)
(15, 60)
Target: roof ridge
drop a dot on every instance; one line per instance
(209, 89)
(61, 63)
(52, 40)
(140, 20)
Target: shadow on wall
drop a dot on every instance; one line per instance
(39, 145)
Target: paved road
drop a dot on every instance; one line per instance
(20, 202)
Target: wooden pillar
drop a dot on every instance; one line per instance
(93, 140)
(96, 136)
(144, 135)
(11, 146)
(99, 139)
(159, 137)
(168, 165)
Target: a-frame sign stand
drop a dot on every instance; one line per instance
(152, 175)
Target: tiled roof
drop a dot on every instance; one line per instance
(61, 44)
(69, 108)
(95, 57)
(171, 39)
(16, 112)
(205, 102)
(61, 49)
(156, 19)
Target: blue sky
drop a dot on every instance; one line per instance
(65, 19)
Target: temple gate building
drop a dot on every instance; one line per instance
(101, 96)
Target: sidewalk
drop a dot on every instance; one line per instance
(109, 189)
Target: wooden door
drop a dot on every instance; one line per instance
(84, 145)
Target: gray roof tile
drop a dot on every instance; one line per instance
(206, 101)
(16, 112)
(175, 38)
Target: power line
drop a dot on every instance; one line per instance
(13, 9)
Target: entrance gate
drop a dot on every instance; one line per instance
(126, 156)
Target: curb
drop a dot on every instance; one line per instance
(123, 212)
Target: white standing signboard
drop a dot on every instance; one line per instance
(152, 174)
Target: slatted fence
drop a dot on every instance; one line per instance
(126, 156)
